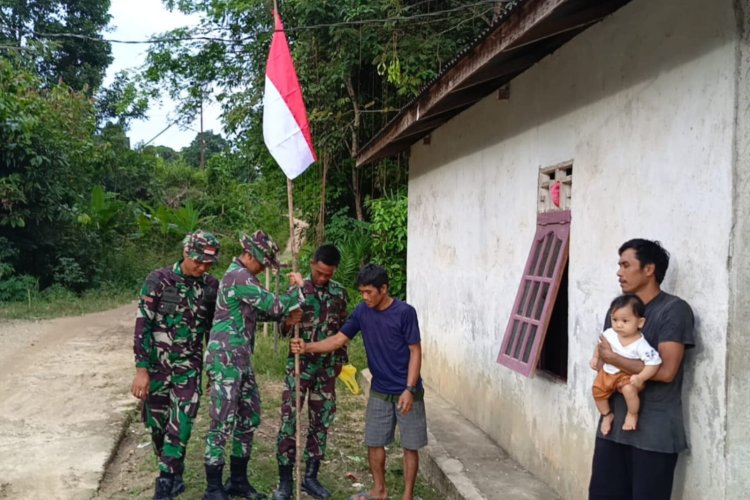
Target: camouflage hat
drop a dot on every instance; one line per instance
(261, 247)
(201, 246)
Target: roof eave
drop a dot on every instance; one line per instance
(531, 31)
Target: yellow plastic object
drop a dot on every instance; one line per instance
(348, 376)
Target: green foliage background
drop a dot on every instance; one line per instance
(81, 209)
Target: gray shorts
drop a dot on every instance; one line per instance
(380, 423)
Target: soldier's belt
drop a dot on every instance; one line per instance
(393, 398)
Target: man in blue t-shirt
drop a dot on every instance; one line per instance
(394, 354)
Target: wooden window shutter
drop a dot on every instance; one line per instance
(536, 295)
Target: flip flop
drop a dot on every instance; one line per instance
(365, 495)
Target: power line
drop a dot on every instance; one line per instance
(173, 123)
(362, 22)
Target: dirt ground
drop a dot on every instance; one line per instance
(63, 402)
(69, 428)
(132, 471)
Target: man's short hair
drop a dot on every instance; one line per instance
(328, 255)
(372, 275)
(649, 252)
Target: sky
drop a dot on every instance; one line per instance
(138, 20)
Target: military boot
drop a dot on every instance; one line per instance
(284, 491)
(163, 488)
(214, 489)
(238, 485)
(178, 485)
(311, 485)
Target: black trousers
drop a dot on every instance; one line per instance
(623, 472)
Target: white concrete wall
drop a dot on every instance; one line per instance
(738, 342)
(644, 105)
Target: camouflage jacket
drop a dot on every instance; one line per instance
(323, 315)
(174, 316)
(241, 303)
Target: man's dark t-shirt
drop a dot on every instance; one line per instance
(660, 421)
(387, 335)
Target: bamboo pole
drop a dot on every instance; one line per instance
(268, 287)
(297, 391)
(277, 329)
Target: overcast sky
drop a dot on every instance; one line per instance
(137, 20)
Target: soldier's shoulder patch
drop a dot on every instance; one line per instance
(155, 282)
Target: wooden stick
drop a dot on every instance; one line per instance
(268, 287)
(277, 329)
(297, 391)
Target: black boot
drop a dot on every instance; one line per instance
(214, 489)
(178, 485)
(286, 482)
(238, 485)
(311, 485)
(163, 488)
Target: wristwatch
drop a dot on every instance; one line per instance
(411, 389)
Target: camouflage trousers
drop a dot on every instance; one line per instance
(234, 410)
(319, 388)
(169, 412)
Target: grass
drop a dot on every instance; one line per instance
(133, 471)
(64, 303)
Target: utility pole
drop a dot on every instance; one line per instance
(203, 138)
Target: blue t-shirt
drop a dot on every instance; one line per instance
(387, 335)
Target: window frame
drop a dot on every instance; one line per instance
(520, 351)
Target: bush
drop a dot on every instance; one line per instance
(58, 293)
(18, 288)
(389, 231)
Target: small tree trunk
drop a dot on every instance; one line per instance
(356, 181)
(320, 234)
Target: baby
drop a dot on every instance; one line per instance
(627, 317)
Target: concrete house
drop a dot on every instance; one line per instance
(607, 120)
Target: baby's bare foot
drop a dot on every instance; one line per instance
(606, 423)
(631, 422)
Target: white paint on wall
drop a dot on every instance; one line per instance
(643, 104)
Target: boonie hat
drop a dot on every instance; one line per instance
(201, 246)
(261, 247)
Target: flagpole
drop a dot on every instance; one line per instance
(287, 122)
(297, 377)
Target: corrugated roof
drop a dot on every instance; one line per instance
(528, 32)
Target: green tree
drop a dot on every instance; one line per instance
(49, 159)
(389, 232)
(205, 144)
(122, 101)
(164, 152)
(358, 63)
(67, 35)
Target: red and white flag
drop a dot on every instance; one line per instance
(286, 130)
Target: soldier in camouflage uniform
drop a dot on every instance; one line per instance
(234, 395)
(174, 315)
(323, 314)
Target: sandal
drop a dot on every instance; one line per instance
(365, 495)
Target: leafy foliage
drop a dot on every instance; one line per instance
(358, 64)
(81, 209)
(211, 144)
(389, 239)
(78, 62)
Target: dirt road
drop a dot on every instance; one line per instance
(63, 399)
